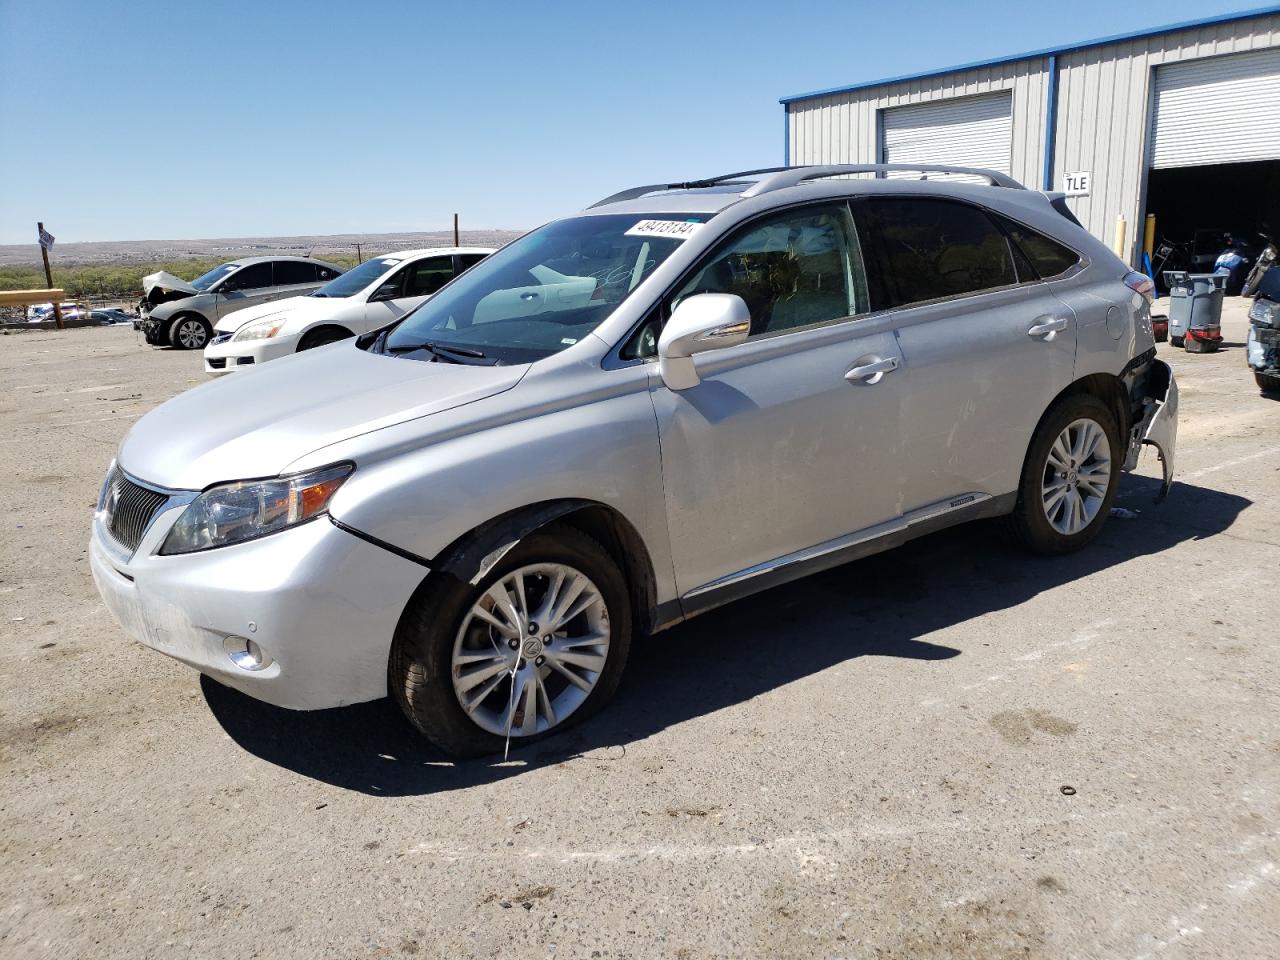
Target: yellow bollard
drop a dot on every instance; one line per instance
(1149, 236)
(1121, 230)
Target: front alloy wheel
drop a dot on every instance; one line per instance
(190, 333)
(530, 650)
(538, 643)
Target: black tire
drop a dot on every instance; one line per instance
(189, 331)
(420, 672)
(1254, 280)
(1029, 522)
(1175, 341)
(1267, 383)
(321, 337)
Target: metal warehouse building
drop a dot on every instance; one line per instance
(1182, 122)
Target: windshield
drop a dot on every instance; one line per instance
(213, 276)
(357, 278)
(544, 292)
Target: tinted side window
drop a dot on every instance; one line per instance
(289, 272)
(325, 274)
(1049, 257)
(928, 249)
(428, 276)
(252, 277)
(468, 260)
(795, 269)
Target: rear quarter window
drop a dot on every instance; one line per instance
(1049, 257)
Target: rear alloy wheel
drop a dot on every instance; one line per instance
(1070, 477)
(537, 644)
(190, 333)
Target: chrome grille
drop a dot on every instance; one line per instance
(129, 509)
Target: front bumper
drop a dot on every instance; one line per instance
(323, 604)
(228, 355)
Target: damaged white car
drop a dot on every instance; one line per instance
(377, 292)
(680, 396)
(182, 314)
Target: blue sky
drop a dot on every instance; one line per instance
(202, 119)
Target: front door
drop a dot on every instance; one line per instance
(247, 287)
(414, 282)
(790, 440)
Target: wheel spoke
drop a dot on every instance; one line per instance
(565, 600)
(1053, 497)
(1059, 455)
(529, 718)
(587, 661)
(544, 701)
(470, 704)
(467, 681)
(580, 682)
(518, 682)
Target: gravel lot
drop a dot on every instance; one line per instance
(950, 750)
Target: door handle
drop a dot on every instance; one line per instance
(1048, 327)
(872, 371)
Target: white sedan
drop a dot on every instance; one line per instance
(367, 297)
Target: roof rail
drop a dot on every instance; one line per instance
(793, 176)
(687, 185)
(779, 177)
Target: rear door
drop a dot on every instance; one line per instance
(247, 287)
(985, 344)
(293, 278)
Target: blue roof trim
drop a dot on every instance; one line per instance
(1047, 52)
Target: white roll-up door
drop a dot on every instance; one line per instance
(1217, 110)
(964, 131)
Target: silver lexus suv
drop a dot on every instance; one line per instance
(682, 395)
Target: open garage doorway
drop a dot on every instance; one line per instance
(1195, 207)
(1214, 158)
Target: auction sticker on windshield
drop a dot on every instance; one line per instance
(675, 229)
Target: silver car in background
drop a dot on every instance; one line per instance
(179, 314)
(682, 395)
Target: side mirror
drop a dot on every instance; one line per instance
(705, 321)
(388, 291)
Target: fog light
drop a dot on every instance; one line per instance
(246, 654)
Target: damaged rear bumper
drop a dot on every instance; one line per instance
(1154, 394)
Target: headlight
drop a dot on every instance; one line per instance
(260, 330)
(236, 512)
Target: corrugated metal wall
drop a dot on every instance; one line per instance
(1104, 104)
(843, 128)
(1103, 113)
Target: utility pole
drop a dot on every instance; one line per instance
(455, 232)
(359, 258)
(48, 275)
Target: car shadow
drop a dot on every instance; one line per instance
(877, 607)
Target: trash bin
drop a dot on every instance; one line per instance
(1195, 309)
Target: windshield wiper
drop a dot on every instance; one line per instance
(439, 350)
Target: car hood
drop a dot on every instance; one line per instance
(166, 282)
(257, 423)
(303, 306)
